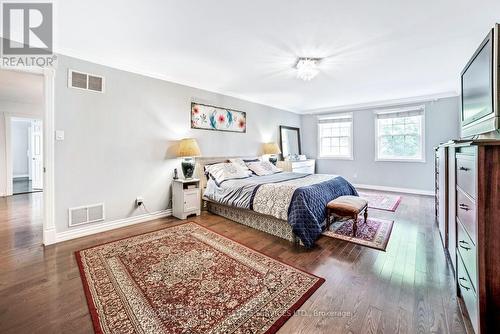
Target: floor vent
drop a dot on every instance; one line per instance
(86, 214)
(85, 81)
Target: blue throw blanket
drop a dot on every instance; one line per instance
(307, 210)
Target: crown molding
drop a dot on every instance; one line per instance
(383, 103)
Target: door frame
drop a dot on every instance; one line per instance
(49, 229)
(8, 146)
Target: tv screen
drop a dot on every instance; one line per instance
(477, 90)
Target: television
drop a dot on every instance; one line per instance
(480, 88)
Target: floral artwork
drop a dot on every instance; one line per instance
(214, 118)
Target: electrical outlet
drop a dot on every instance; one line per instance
(139, 201)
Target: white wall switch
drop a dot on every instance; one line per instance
(59, 135)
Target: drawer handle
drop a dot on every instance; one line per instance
(463, 286)
(464, 206)
(465, 169)
(462, 242)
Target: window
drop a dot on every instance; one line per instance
(335, 136)
(400, 134)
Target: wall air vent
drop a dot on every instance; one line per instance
(85, 81)
(86, 214)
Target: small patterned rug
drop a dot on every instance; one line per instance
(381, 201)
(375, 233)
(188, 279)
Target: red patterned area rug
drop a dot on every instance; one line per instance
(188, 279)
(375, 233)
(381, 201)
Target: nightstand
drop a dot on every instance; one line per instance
(186, 198)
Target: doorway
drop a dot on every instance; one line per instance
(28, 92)
(26, 135)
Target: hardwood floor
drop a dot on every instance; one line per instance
(408, 289)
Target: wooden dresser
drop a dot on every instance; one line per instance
(299, 166)
(476, 204)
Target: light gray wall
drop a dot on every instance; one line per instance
(119, 145)
(441, 124)
(19, 142)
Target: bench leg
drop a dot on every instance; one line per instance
(328, 219)
(366, 214)
(355, 225)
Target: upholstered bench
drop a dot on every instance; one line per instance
(346, 206)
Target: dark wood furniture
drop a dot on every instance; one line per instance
(347, 206)
(474, 213)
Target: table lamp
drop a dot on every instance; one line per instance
(188, 148)
(272, 149)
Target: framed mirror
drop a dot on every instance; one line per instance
(289, 141)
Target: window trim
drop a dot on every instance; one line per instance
(422, 136)
(351, 138)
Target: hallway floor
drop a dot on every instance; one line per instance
(23, 186)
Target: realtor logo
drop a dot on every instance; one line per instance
(27, 29)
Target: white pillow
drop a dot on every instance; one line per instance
(263, 168)
(239, 162)
(226, 171)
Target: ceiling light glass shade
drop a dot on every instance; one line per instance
(307, 68)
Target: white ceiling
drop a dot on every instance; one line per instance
(373, 50)
(21, 87)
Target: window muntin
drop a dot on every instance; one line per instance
(400, 135)
(335, 136)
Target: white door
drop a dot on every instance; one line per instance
(37, 154)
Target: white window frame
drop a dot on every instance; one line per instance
(422, 136)
(351, 140)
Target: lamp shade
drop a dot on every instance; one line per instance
(271, 148)
(188, 147)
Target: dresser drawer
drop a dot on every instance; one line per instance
(468, 294)
(300, 164)
(467, 249)
(466, 212)
(466, 174)
(305, 169)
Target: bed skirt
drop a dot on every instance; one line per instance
(271, 225)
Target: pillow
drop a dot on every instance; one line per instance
(207, 166)
(263, 168)
(240, 162)
(226, 171)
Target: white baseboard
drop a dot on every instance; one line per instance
(111, 225)
(49, 236)
(20, 176)
(395, 189)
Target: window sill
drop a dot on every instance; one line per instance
(335, 158)
(401, 160)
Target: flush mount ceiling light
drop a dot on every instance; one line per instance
(307, 68)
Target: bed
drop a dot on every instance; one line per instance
(287, 205)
